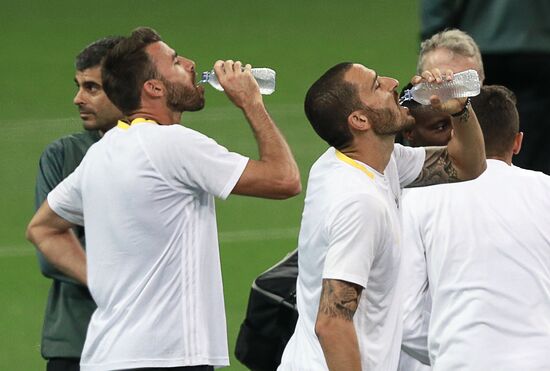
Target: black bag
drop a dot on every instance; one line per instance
(271, 316)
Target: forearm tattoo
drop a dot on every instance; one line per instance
(438, 168)
(339, 299)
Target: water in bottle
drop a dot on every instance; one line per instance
(264, 76)
(464, 84)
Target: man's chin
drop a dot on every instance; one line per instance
(89, 125)
(196, 106)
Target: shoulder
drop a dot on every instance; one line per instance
(81, 139)
(531, 177)
(401, 152)
(167, 135)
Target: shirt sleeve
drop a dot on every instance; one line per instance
(414, 278)
(66, 199)
(409, 163)
(192, 160)
(355, 230)
(50, 172)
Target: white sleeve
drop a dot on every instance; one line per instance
(414, 278)
(409, 162)
(66, 198)
(355, 229)
(189, 159)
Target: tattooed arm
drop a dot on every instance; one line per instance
(464, 156)
(334, 325)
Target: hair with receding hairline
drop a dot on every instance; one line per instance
(455, 40)
(329, 102)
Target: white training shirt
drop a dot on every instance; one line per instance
(350, 231)
(144, 193)
(487, 246)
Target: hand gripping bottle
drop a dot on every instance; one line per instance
(464, 84)
(264, 76)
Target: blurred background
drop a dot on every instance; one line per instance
(299, 39)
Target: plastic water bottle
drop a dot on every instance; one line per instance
(464, 84)
(264, 76)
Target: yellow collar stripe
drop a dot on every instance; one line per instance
(125, 126)
(340, 156)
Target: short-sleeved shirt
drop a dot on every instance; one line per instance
(486, 244)
(350, 231)
(145, 194)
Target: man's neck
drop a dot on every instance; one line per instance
(163, 117)
(507, 159)
(376, 153)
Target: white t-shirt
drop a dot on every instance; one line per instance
(350, 231)
(145, 196)
(487, 246)
(416, 299)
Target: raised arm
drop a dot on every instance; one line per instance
(334, 326)
(53, 237)
(464, 156)
(275, 174)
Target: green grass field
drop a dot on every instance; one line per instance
(299, 39)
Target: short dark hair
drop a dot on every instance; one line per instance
(127, 67)
(495, 108)
(329, 102)
(93, 54)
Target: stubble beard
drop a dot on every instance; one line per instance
(181, 99)
(386, 122)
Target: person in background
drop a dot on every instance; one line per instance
(456, 50)
(513, 36)
(70, 306)
(487, 253)
(145, 194)
(348, 294)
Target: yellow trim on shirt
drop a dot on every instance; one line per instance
(125, 126)
(340, 156)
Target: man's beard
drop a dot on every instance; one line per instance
(384, 121)
(180, 99)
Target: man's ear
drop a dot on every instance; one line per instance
(517, 143)
(154, 88)
(359, 121)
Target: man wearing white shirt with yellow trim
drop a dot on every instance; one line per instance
(145, 194)
(348, 295)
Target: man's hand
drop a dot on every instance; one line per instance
(238, 83)
(436, 76)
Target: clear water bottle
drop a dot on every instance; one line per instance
(264, 76)
(464, 84)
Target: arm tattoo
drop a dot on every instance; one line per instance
(339, 299)
(438, 168)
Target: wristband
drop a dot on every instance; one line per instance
(463, 110)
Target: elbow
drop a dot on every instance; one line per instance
(30, 233)
(294, 186)
(289, 187)
(323, 327)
